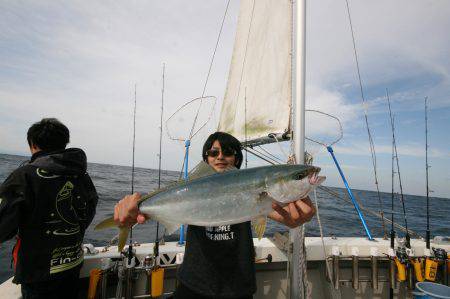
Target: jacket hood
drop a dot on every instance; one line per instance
(71, 161)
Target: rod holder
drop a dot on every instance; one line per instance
(104, 284)
(129, 283)
(374, 272)
(374, 267)
(336, 272)
(410, 275)
(336, 252)
(355, 272)
(355, 268)
(392, 280)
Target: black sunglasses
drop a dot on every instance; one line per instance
(215, 152)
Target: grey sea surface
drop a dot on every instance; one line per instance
(338, 217)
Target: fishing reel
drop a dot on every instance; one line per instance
(401, 261)
(432, 265)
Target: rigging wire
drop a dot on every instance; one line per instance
(394, 144)
(246, 48)
(191, 134)
(321, 235)
(251, 151)
(269, 154)
(279, 146)
(371, 143)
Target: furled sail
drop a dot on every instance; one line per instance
(258, 96)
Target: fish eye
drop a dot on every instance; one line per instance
(298, 176)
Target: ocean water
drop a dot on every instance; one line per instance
(338, 217)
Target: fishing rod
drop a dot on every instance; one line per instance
(366, 119)
(367, 210)
(392, 233)
(245, 124)
(131, 261)
(428, 235)
(394, 144)
(432, 264)
(391, 253)
(130, 247)
(156, 247)
(350, 193)
(403, 258)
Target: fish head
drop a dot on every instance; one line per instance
(293, 182)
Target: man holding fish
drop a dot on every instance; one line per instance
(221, 201)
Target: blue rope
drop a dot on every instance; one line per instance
(355, 204)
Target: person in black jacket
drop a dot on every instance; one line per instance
(219, 261)
(48, 203)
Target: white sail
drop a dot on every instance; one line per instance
(258, 96)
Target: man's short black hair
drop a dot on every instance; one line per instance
(226, 141)
(49, 134)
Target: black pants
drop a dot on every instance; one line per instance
(66, 288)
(183, 292)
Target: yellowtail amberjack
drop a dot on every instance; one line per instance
(235, 196)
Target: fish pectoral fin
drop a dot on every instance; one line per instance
(106, 223)
(123, 236)
(171, 227)
(259, 226)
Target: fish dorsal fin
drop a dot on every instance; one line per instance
(259, 226)
(201, 170)
(151, 194)
(229, 168)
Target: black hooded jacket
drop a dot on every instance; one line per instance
(48, 203)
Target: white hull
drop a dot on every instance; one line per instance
(272, 279)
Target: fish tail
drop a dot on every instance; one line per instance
(123, 236)
(123, 231)
(106, 223)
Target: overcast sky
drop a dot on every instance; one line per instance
(79, 61)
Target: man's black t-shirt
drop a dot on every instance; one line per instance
(219, 261)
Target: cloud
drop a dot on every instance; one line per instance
(411, 150)
(401, 45)
(80, 61)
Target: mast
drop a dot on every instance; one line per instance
(298, 262)
(299, 78)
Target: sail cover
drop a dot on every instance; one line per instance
(258, 96)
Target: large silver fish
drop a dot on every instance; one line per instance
(235, 196)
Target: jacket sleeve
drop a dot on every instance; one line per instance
(11, 198)
(92, 199)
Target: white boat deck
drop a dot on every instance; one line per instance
(314, 253)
